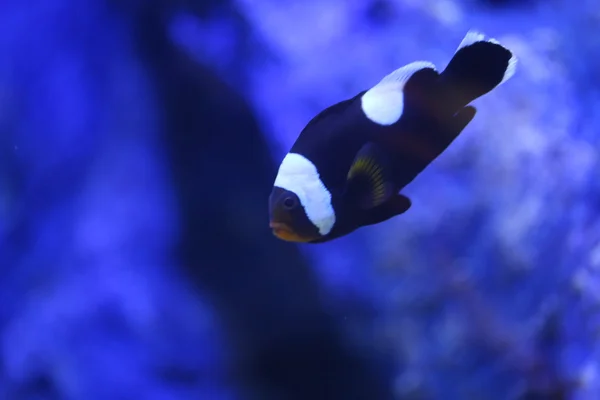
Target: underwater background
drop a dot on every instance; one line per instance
(139, 141)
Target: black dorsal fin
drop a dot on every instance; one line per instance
(332, 110)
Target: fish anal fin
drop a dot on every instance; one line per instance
(396, 205)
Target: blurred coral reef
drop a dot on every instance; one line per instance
(138, 145)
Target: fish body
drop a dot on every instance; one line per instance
(349, 163)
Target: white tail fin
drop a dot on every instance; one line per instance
(474, 36)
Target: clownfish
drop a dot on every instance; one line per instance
(349, 163)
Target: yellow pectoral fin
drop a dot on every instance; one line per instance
(368, 178)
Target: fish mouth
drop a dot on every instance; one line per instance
(284, 232)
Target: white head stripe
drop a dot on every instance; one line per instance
(384, 102)
(300, 176)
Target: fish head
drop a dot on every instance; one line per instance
(300, 206)
(288, 218)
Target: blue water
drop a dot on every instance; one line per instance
(138, 145)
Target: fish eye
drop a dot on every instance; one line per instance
(289, 203)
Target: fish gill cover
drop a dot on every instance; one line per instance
(138, 144)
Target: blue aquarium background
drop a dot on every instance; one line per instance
(139, 141)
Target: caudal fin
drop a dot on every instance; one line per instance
(478, 66)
